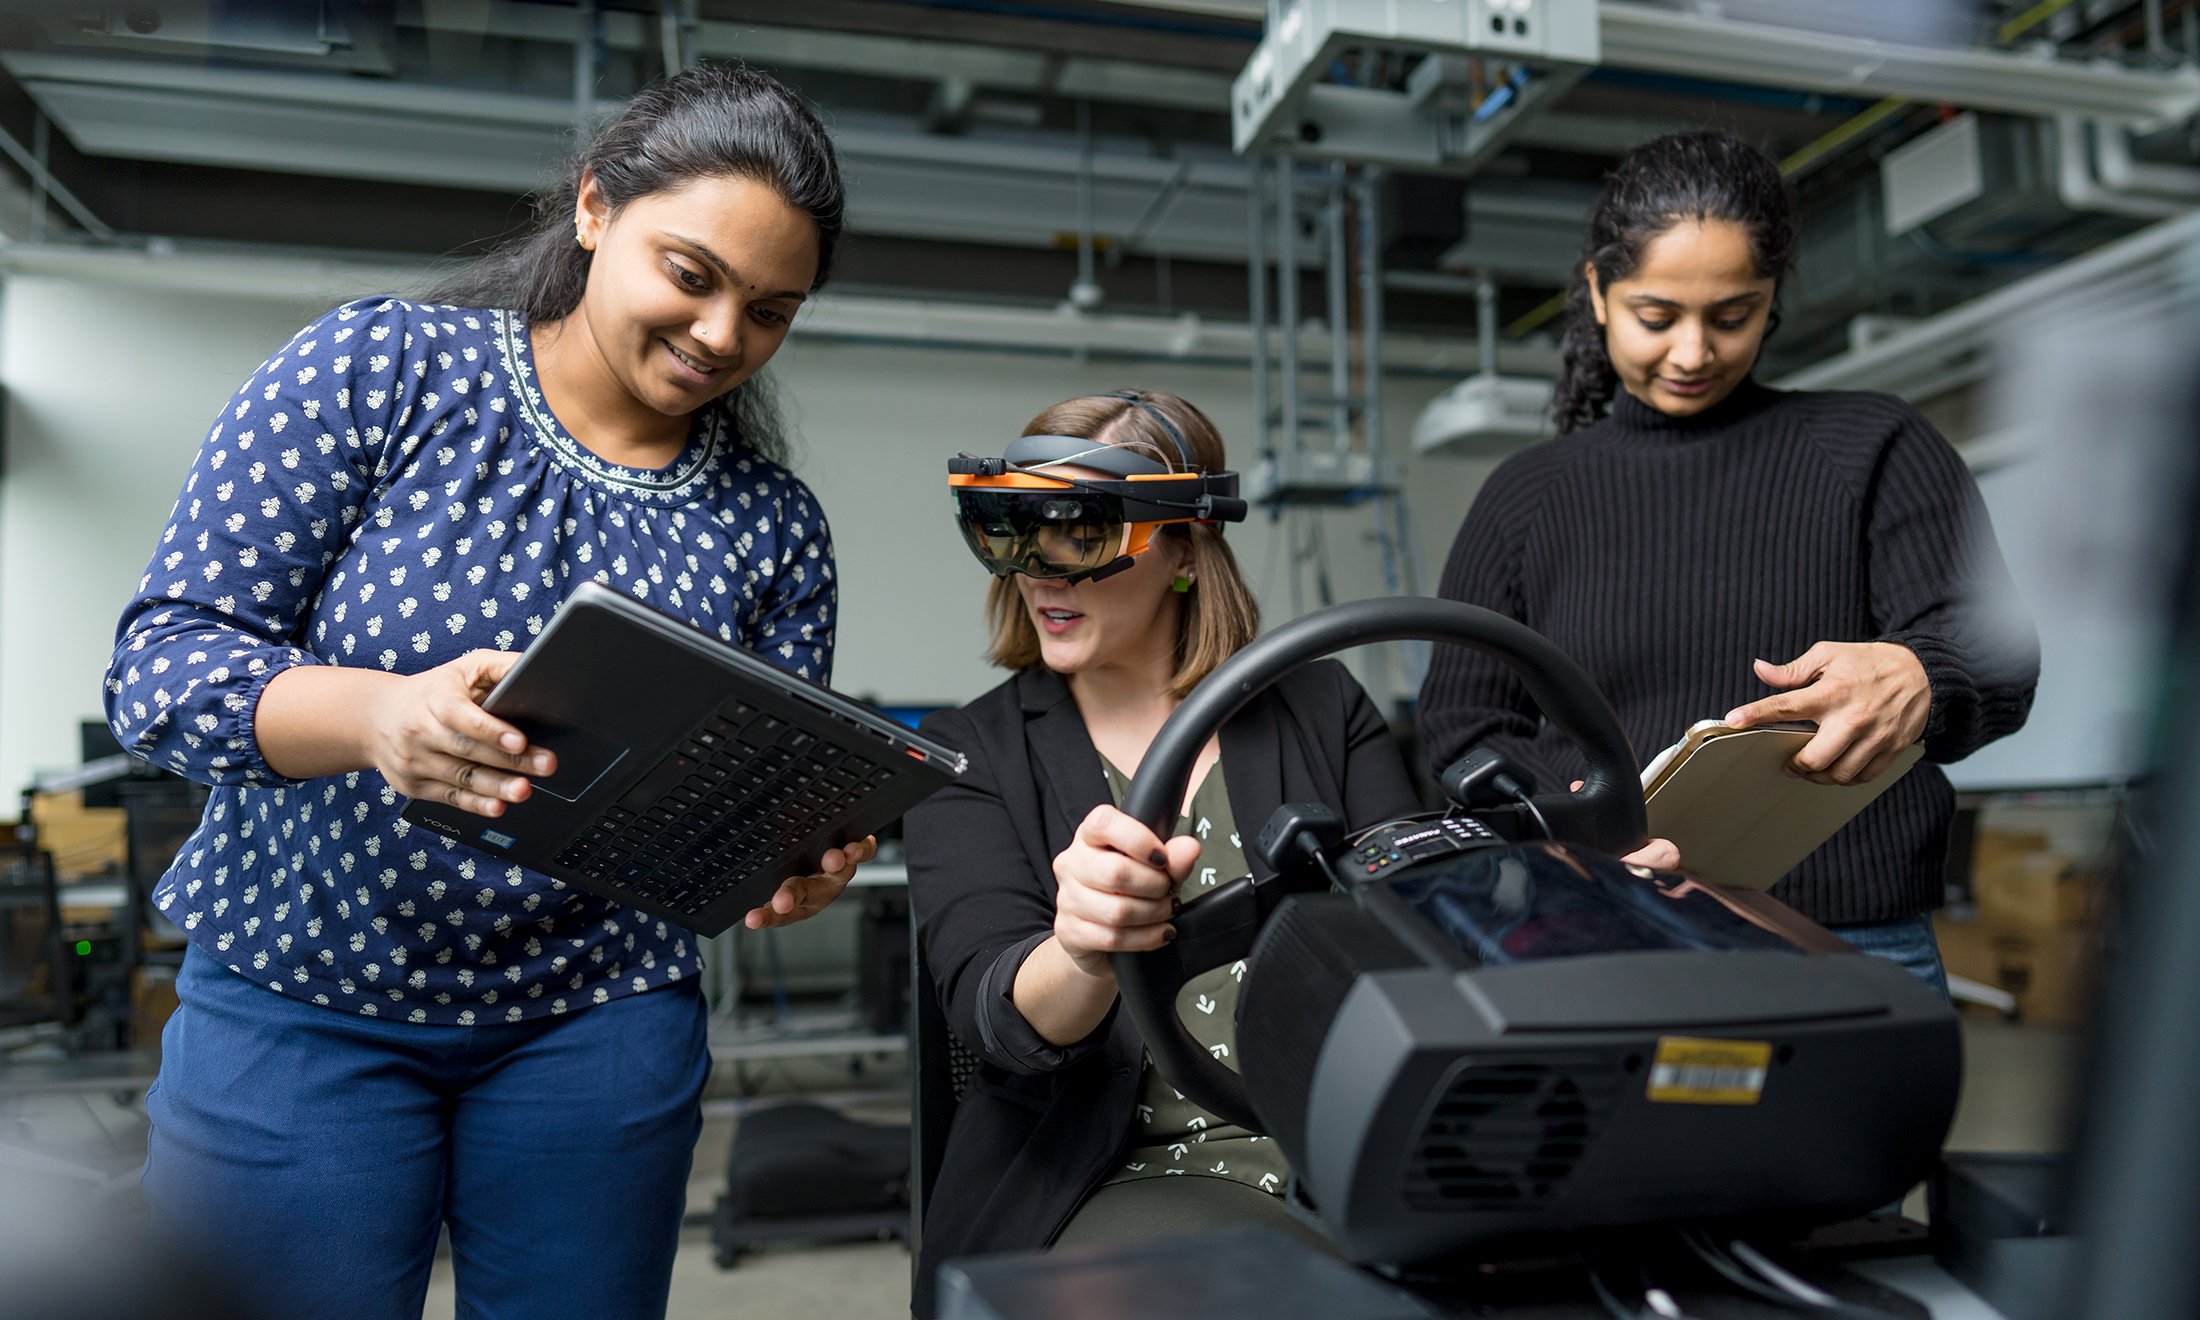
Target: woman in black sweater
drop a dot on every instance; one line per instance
(1707, 546)
(1024, 877)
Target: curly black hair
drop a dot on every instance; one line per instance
(1662, 183)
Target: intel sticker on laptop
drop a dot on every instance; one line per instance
(500, 840)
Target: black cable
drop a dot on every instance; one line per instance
(1612, 1304)
(1825, 1303)
(1656, 1304)
(1652, 1293)
(1200, 506)
(1354, 839)
(1740, 1276)
(1709, 1254)
(1522, 797)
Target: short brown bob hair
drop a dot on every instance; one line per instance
(1219, 614)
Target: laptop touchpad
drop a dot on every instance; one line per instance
(583, 758)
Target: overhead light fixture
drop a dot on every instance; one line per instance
(1485, 414)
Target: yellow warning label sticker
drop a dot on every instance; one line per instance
(1692, 1070)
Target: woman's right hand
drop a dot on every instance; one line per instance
(429, 736)
(1115, 890)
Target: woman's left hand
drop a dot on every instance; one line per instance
(807, 895)
(1868, 699)
(1657, 854)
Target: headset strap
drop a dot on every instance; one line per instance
(1031, 451)
(1161, 418)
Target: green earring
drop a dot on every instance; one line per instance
(1180, 584)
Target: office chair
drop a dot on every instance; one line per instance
(939, 1071)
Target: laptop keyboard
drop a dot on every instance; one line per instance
(741, 790)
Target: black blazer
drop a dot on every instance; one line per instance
(1032, 1135)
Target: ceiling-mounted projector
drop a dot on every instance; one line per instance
(1485, 414)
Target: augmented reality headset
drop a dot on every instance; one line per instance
(1019, 517)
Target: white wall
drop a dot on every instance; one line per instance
(110, 387)
(112, 383)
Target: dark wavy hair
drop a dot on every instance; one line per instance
(1662, 183)
(711, 121)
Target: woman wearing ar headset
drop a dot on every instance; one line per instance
(1114, 594)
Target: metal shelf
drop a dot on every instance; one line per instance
(753, 1044)
(752, 1036)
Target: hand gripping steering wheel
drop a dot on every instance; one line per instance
(1607, 813)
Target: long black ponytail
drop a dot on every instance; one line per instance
(1664, 182)
(711, 121)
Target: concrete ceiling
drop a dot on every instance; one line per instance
(414, 128)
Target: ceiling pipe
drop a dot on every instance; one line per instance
(835, 315)
(2081, 191)
(1709, 44)
(52, 188)
(2127, 267)
(1701, 41)
(2122, 171)
(587, 34)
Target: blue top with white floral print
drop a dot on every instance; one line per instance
(390, 490)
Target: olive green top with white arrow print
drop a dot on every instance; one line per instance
(1169, 1134)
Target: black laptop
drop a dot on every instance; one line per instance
(692, 776)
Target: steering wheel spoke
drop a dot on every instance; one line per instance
(1218, 927)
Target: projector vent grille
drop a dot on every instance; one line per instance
(1507, 1133)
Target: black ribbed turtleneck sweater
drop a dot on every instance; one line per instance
(1665, 553)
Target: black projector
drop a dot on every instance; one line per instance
(1470, 1041)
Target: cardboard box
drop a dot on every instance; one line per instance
(2033, 892)
(152, 1000)
(2020, 882)
(1966, 950)
(83, 840)
(2048, 971)
(1993, 848)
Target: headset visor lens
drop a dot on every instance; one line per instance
(1040, 533)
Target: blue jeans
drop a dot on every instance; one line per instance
(310, 1155)
(1905, 941)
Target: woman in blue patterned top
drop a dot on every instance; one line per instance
(381, 1033)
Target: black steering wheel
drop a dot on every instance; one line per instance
(1607, 813)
